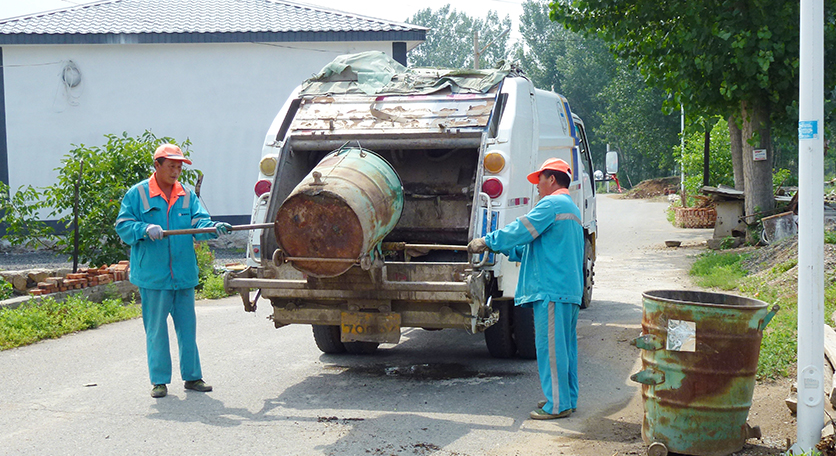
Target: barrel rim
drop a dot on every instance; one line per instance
(747, 303)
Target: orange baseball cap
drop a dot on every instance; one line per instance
(170, 152)
(555, 164)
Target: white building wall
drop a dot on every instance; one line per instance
(222, 97)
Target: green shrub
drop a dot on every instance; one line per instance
(49, 319)
(829, 237)
(205, 262)
(213, 288)
(106, 175)
(720, 165)
(211, 284)
(6, 289)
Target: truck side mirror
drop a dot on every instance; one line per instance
(599, 176)
(612, 162)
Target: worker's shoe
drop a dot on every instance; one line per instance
(159, 390)
(542, 404)
(540, 414)
(198, 385)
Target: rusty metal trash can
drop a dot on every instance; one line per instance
(699, 359)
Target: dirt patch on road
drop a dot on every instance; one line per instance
(654, 187)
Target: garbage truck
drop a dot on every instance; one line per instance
(374, 178)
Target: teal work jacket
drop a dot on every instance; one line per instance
(549, 243)
(168, 263)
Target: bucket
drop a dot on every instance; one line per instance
(699, 359)
(342, 209)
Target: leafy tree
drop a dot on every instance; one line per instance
(633, 123)
(544, 43)
(735, 58)
(450, 42)
(607, 93)
(692, 160)
(103, 175)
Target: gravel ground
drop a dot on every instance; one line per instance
(22, 260)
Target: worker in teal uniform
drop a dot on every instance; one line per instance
(548, 242)
(165, 267)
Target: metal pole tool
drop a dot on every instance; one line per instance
(211, 229)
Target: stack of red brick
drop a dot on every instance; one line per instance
(85, 277)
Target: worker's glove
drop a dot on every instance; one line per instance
(154, 232)
(223, 228)
(477, 245)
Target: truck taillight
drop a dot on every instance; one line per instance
(493, 187)
(263, 186)
(494, 162)
(267, 165)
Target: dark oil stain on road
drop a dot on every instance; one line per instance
(423, 372)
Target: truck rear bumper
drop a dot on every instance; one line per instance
(426, 295)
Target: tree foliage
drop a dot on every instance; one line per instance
(720, 166)
(733, 58)
(103, 175)
(636, 126)
(610, 95)
(449, 42)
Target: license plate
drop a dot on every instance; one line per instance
(370, 327)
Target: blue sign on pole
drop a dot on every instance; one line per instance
(808, 129)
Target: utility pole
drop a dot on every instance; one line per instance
(810, 228)
(477, 53)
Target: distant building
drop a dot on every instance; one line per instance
(213, 71)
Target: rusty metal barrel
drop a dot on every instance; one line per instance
(699, 359)
(342, 209)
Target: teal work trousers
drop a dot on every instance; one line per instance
(157, 305)
(556, 341)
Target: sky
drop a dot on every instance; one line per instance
(384, 9)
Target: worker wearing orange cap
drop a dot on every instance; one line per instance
(165, 268)
(548, 242)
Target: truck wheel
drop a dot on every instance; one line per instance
(524, 332)
(360, 348)
(328, 339)
(588, 274)
(500, 338)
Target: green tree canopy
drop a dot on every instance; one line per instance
(610, 95)
(734, 58)
(450, 41)
(103, 175)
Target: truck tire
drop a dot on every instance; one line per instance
(500, 337)
(328, 339)
(588, 274)
(360, 348)
(524, 332)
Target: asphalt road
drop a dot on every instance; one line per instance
(435, 393)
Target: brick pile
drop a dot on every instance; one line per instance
(85, 277)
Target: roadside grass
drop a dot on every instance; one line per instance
(49, 319)
(718, 270)
(779, 345)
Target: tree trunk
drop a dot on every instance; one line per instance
(706, 152)
(757, 174)
(736, 136)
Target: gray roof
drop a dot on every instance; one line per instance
(189, 21)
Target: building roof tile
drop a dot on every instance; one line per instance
(187, 20)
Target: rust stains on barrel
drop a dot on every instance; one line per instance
(342, 209)
(697, 396)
